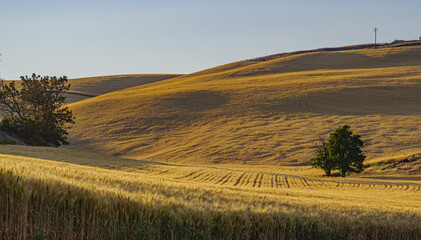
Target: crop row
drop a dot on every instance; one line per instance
(273, 180)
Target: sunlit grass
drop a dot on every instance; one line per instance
(199, 196)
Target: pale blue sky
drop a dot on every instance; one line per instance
(98, 37)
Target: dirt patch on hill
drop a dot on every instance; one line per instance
(410, 165)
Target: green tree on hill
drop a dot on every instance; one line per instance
(342, 151)
(35, 111)
(345, 148)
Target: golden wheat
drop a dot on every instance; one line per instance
(351, 208)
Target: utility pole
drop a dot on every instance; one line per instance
(375, 36)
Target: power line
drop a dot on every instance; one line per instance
(375, 35)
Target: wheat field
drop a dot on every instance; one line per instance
(352, 208)
(223, 154)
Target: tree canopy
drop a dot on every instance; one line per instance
(35, 111)
(342, 151)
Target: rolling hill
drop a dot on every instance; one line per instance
(84, 88)
(262, 111)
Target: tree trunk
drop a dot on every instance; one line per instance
(343, 173)
(327, 173)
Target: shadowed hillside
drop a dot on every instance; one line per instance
(266, 112)
(84, 88)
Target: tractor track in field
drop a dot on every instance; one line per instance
(239, 179)
(256, 179)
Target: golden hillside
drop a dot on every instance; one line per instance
(267, 112)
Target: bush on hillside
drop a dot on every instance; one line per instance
(35, 111)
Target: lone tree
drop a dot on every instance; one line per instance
(35, 111)
(342, 151)
(345, 148)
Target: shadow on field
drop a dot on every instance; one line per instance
(394, 178)
(390, 100)
(84, 158)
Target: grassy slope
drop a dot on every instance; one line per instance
(236, 203)
(262, 112)
(84, 88)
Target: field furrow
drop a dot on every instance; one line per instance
(286, 182)
(261, 181)
(198, 175)
(244, 180)
(239, 179)
(204, 176)
(230, 178)
(256, 180)
(249, 179)
(222, 178)
(273, 181)
(210, 177)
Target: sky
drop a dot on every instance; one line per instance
(84, 38)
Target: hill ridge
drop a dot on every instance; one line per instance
(249, 62)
